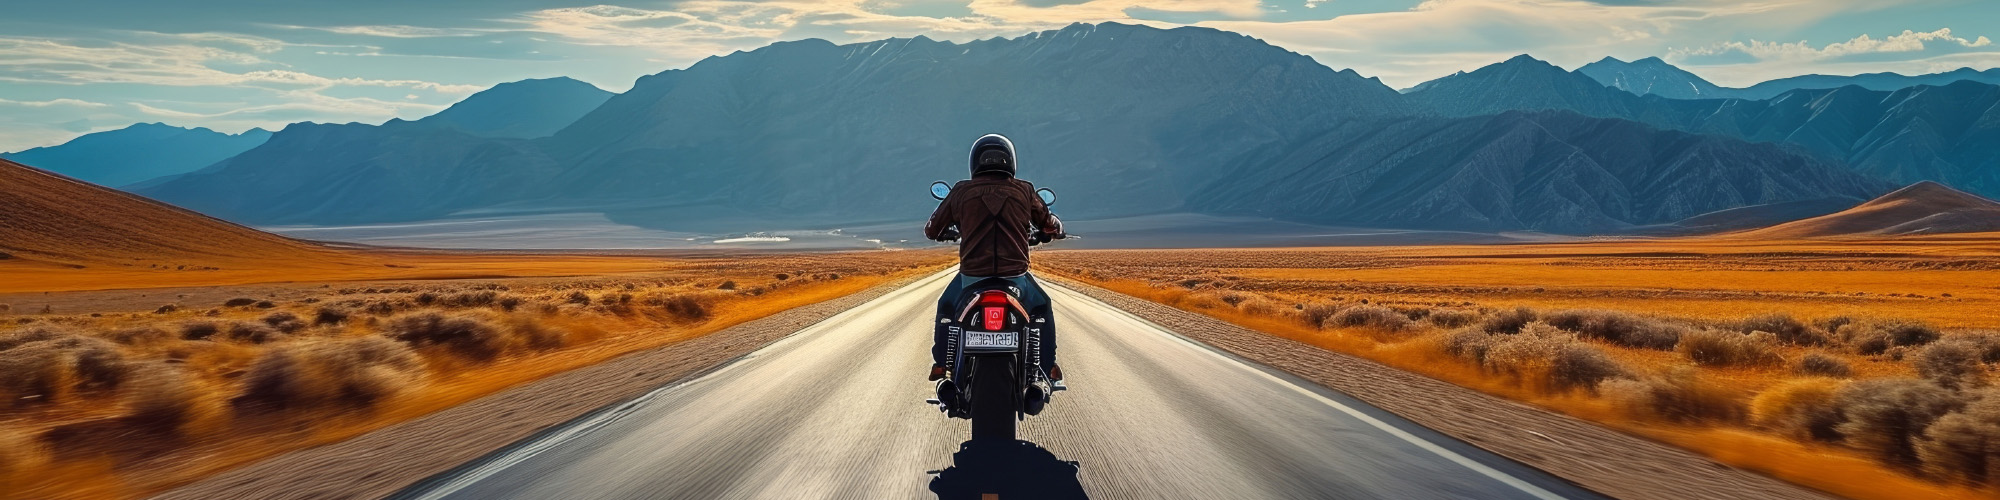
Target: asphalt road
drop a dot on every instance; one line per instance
(836, 411)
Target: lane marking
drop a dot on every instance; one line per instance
(521, 451)
(1454, 457)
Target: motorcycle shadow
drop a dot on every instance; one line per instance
(1006, 469)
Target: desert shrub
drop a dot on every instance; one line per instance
(1878, 336)
(1316, 314)
(1987, 343)
(508, 303)
(380, 308)
(1470, 344)
(1965, 445)
(426, 298)
(482, 298)
(161, 398)
(535, 335)
(1451, 318)
(1508, 321)
(1680, 396)
(1618, 328)
(1824, 365)
(354, 373)
(1371, 316)
(167, 309)
(329, 315)
(1529, 350)
(1788, 330)
(1540, 353)
(38, 333)
(1257, 305)
(1953, 364)
(1883, 416)
(1709, 347)
(251, 332)
(199, 330)
(265, 304)
(468, 337)
(578, 297)
(1802, 409)
(1580, 366)
(1869, 344)
(1231, 297)
(727, 285)
(1833, 324)
(141, 335)
(57, 363)
(680, 306)
(284, 322)
(239, 302)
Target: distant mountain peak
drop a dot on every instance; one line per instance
(1651, 75)
(523, 109)
(1525, 61)
(139, 152)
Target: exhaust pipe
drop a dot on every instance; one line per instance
(947, 395)
(1037, 397)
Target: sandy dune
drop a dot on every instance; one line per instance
(1922, 208)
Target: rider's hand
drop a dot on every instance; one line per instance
(949, 234)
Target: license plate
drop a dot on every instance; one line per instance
(992, 340)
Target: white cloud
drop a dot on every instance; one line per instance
(53, 102)
(1909, 41)
(395, 31)
(304, 103)
(32, 60)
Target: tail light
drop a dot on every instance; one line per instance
(993, 310)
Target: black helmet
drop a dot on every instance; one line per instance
(993, 153)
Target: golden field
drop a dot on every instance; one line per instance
(141, 379)
(1858, 367)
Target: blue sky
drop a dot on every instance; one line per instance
(76, 66)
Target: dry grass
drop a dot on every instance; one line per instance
(190, 392)
(1824, 363)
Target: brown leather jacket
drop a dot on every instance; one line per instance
(992, 213)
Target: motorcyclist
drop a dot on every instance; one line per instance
(990, 215)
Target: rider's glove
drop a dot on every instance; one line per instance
(949, 234)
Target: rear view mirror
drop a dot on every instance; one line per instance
(939, 189)
(1048, 197)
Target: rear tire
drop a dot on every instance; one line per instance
(992, 400)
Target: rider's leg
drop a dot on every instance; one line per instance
(1037, 302)
(952, 289)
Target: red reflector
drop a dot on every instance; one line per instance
(992, 298)
(995, 318)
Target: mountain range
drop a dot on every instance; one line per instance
(139, 152)
(1652, 76)
(475, 151)
(1136, 120)
(1949, 133)
(810, 132)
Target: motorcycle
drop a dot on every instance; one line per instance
(995, 374)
